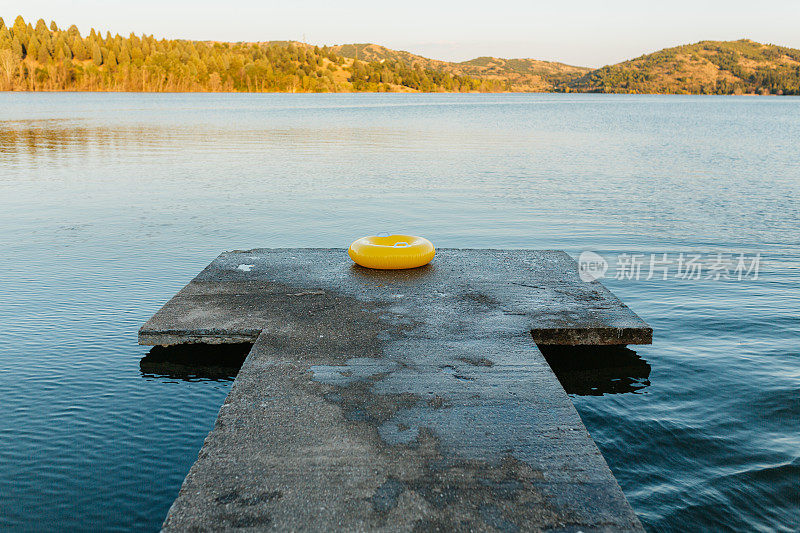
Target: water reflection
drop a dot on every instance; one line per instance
(597, 370)
(51, 137)
(195, 362)
(35, 136)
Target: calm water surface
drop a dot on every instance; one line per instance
(110, 203)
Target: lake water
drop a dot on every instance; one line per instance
(110, 203)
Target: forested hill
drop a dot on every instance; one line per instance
(707, 67)
(47, 58)
(520, 74)
(42, 58)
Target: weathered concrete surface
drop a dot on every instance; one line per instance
(408, 400)
(542, 286)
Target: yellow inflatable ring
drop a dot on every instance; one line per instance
(392, 252)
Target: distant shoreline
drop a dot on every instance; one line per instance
(48, 58)
(73, 91)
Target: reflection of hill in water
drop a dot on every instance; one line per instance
(193, 362)
(69, 137)
(40, 137)
(597, 370)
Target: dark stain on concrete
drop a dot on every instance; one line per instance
(480, 299)
(471, 495)
(233, 497)
(385, 497)
(359, 403)
(437, 402)
(477, 361)
(494, 517)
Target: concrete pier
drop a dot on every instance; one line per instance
(399, 400)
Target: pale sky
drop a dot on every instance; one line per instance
(580, 32)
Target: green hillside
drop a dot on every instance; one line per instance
(707, 67)
(516, 74)
(523, 74)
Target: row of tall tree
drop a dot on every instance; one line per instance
(48, 58)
